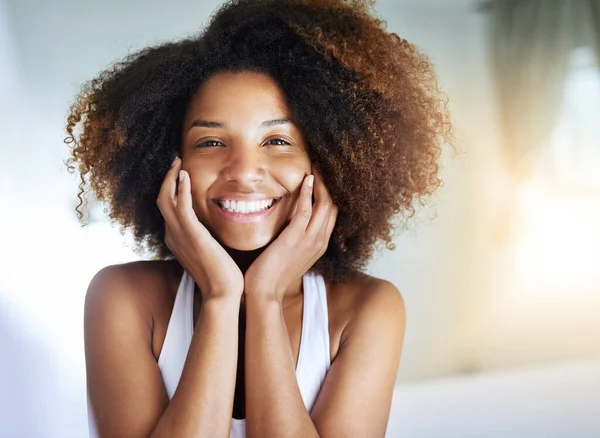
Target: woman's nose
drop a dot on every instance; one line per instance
(244, 167)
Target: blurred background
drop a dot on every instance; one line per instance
(500, 273)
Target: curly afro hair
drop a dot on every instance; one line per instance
(367, 103)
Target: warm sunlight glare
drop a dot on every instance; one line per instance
(558, 249)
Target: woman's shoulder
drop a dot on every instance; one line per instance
(362, 289)
(363, 298)
(139, 271)
(139, 287)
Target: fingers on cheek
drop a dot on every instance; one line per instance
(180, 183)
(301, 202)
(304, 186)
(309, 190)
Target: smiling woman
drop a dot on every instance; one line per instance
(260, 161)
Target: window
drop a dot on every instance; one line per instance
(558, 242)
(575, 144)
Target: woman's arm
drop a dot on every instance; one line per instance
(125, 386)
(274, 405)
(356, 396)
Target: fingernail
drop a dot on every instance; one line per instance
(311, 180)
(174, 161)
(180, 175)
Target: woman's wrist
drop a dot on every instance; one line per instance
(263, 301)
(221, 302)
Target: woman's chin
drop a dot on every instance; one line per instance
(252, 244)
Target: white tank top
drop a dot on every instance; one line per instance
(313, 358)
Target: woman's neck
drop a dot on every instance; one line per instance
(244, 258)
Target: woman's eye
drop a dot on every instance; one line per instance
(277, 142)
(208, 144)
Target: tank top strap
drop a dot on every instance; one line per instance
(179, 334)
(314, 356)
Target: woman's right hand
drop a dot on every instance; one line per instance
(213, 269)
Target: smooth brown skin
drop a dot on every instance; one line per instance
(128, 306)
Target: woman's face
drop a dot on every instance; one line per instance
(246, 158)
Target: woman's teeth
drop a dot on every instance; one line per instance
(246, 206)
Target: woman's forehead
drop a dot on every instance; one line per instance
(252, 97)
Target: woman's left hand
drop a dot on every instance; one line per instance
(298, 246)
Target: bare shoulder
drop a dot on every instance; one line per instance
(136, 289)
(365, 295)
(134, 275)
(365, 303)
(375, 293)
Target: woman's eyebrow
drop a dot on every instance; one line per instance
(283, 121)
(266, 123)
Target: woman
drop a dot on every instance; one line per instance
(291, 133)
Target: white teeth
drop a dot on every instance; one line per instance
(246, 206)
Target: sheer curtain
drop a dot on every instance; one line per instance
(530, 44)
(593, 11)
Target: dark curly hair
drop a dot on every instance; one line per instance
(367, 103)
